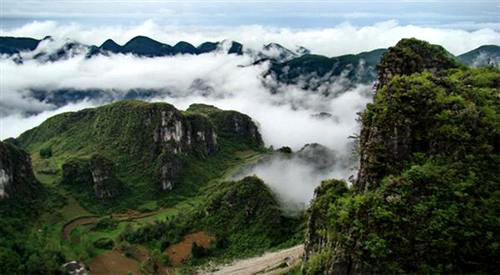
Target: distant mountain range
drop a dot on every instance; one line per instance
(291, 67)
(297, 62)
(139, 45)
(487, 55)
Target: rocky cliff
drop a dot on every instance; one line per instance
(16, 175)
(142, 146)
(413, 56)
(428, 178)
(97, 174)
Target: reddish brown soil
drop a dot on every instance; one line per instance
(178, 253)
(113, 262)
(139, 252)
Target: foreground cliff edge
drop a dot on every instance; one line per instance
(426, 199)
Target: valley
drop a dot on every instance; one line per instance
(407, 185)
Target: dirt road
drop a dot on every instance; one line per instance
(269, 263)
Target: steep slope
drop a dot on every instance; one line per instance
(484, 56)
(426, 198)
(16, 175)
(22, 199)
(146, 148)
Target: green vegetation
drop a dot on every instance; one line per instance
(117, 133)
(243, 216)
(414, 56)
(139, 177)
(108, 160)
(22, 251)
(46, 152)
(426, 199)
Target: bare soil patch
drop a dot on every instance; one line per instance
(178, 253)
(113, 262)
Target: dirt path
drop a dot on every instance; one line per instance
(269, 263)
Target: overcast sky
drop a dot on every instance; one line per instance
(468, 14)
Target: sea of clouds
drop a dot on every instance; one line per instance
(286, 117)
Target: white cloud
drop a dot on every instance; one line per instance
(285, 118)
(16, 123)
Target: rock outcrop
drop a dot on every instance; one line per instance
(149, 142)
(321, 157)
(230, 124)
(97, 173)
(16, 174)
(409, 56)
(428, 177)
(413, 56)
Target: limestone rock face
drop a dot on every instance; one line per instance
(169, 171)
(16, 174)
(106, 185)
(230, 124)
(98, 174)
(180, 134)
(153, 140)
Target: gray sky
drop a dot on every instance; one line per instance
(467, 15)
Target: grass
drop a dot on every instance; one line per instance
(185, 200)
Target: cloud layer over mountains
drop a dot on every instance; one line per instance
(288, 115)
(332, 41)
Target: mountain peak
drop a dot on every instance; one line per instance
(411, 55)
(140, 40)
(184, 47)
(236, 48)
(110, 45)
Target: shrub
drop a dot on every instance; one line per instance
(198, 251)
(46, 152)
(106, 224)
(104, 243)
